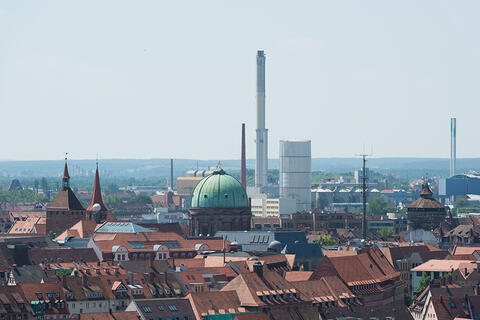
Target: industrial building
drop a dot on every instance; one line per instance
(459, 186)
(186, 185)
(296, 172)
(262, 206)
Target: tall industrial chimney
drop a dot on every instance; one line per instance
(261, 164)
(171, 174)
(243, 165)
(453, 146)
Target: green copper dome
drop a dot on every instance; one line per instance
(219, 190)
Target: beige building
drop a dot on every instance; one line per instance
(186, 185)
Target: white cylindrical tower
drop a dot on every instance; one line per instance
(453, 146)
(296, 172)
(261, 164)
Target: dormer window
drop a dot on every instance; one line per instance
(39, 295)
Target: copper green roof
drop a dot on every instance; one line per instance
(219, 190)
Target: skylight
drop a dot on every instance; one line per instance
(136, 245)
(147, 309)
(173, 244)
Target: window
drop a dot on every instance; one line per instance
(172, 307)
(419, 273)
(146, 309)
(136, 244)
(173, 244)
(39, 295)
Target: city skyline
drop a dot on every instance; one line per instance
(162, 81)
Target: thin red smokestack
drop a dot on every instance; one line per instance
(243, 169)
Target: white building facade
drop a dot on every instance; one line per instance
(296, 172)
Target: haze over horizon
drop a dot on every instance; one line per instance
(177, 79)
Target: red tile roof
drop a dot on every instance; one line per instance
(215, 302)
(82, 229)
(293, 276)
(369, 267)
(124, 315)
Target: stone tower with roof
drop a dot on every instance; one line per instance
(65, 210)
(219, 203)
(425, 213)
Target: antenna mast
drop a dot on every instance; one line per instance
(364, 195)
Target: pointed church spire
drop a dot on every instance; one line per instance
(97, 194)
(66, 176)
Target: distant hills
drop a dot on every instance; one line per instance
(402, 167)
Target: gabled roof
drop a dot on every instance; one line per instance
(294, 276)
(32, 225)
(123, 315)
(256, 241)
(82, 229)
(215, 302)
(325, 289)
(442, 265)
(251, 288)
(304, 250)
(38, 256)
(141, 242)
(397, 253)
(28, 274)
(457, 250)
(169, 308)
(447, 308)
(369, 267)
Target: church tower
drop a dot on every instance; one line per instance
(97, 210)
(65, 210)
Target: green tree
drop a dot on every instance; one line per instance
(45, 187)
(36, 185)
(326, 241)
(424, 282)
(407, 298)
(142, 198)
(64, 272)
(376, 206)
(461, 203)
(385, 233)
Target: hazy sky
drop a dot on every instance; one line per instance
(177, 78)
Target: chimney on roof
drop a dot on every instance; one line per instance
(258, 269)
(84, 280)
(130, 277)
(243, 164)
(64, 281)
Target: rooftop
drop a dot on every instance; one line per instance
(441, 265)
(121, 227)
